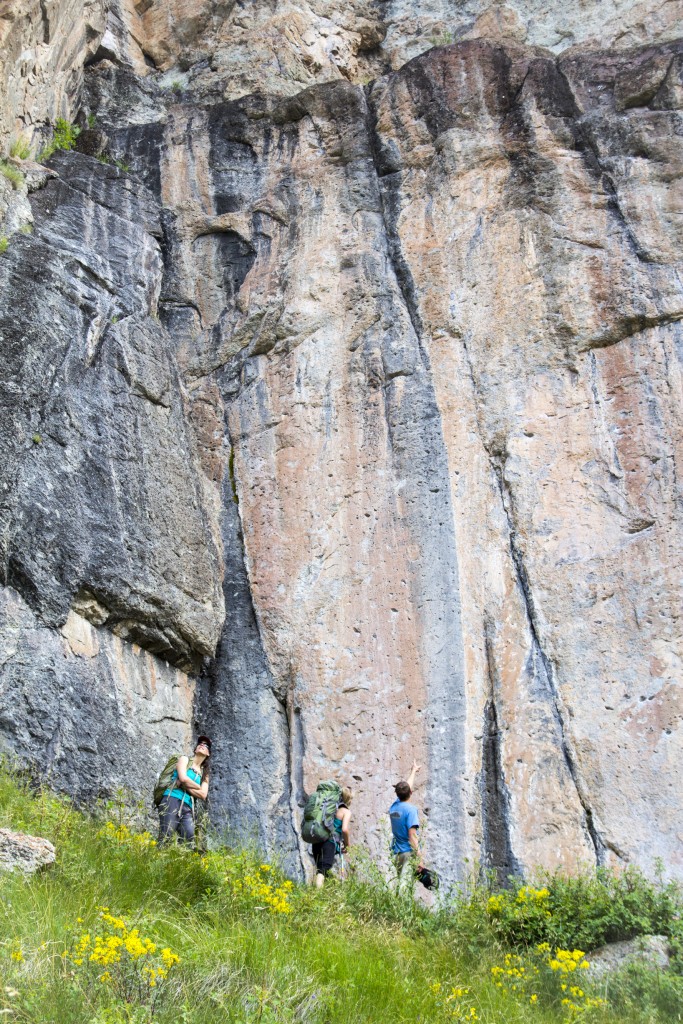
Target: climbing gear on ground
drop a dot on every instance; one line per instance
(428, 877)
(318, 821)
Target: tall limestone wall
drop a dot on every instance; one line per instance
(341, 416)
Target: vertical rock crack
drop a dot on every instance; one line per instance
(524, 588)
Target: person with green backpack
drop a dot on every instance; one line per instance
(181, 782)
(327, 817)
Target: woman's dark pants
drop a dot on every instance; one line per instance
(175, 818)
(323, 855)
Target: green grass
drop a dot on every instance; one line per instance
(253, 948)
(20, 148)
(4, 244)
(12, 173)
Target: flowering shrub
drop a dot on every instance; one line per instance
(586, 911)
(245, 884)
(258, 889)
(522, 913)
(552, 975)
(131, 965)
(122, 835)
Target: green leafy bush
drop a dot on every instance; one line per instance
(586, 911)
(4, 244)
(64, 137)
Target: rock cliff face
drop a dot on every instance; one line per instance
(344, 421)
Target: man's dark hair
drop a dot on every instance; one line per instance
(402, 790)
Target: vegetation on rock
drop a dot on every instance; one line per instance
(20, 148)
(122, 931)
(64, 137)
(12, 173)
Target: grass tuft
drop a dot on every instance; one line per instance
(20, 148)
(12, 173)
(445, 38)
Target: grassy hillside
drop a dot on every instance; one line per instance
(120, 931)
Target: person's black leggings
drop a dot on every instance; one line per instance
(171, 822)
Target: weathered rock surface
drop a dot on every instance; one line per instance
(90, 711)
(281, 48)
(363, 406)
(648, 951)
(43, 47)
(414, 28)
(19, 852)
(101, 508)
(550, 313)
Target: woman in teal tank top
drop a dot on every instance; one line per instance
(189, 782)
(324, 853)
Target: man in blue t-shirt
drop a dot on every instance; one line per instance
(404, 825)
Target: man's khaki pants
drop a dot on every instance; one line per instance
(405, 868)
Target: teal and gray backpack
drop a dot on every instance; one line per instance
(318, 820)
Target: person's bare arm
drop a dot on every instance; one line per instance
(346, 821)
(200, 792)
(415, 844)
(413, 772)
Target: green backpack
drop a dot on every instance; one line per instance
(165, 779)
(318, 820)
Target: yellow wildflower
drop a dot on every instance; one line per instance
(169, 958)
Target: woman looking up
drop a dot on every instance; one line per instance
(189, 782)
